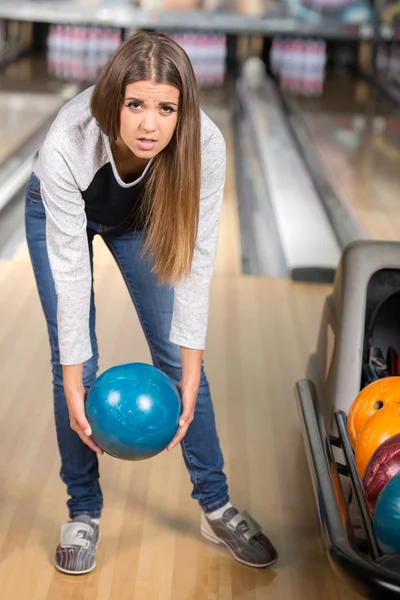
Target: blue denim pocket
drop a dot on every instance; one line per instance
(33, 189)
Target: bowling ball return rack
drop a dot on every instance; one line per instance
(359, 314)
(357, 559)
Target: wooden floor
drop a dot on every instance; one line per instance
(261, 332)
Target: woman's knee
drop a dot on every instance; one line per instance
(90, 369)
(170, 362)
(168, 359)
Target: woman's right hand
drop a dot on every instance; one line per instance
(75, 394)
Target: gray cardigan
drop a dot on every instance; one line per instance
(73, 152)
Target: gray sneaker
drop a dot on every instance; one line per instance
(242, 535)
(76, 553)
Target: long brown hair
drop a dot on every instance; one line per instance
(172, 197)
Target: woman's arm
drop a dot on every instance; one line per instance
(191, 301)
(191, 367)
(75, 394)
(190, 315)
(68, 253)
(188, 388)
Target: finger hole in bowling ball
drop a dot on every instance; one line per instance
(378, 404)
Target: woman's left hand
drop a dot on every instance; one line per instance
(189, 396)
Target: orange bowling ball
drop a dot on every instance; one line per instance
(380, 427)
(369, 402)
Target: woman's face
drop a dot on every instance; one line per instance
(148, 117)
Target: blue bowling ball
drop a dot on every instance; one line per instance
(133, 410)
(386, 518)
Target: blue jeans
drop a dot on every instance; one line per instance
(79, 464)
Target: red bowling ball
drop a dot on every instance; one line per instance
(382, 467)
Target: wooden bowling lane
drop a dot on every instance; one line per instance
(31, 72)
(261, 332)
(357, 133)
(21, 114)
(28, 97)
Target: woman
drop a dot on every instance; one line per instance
(135, 160)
